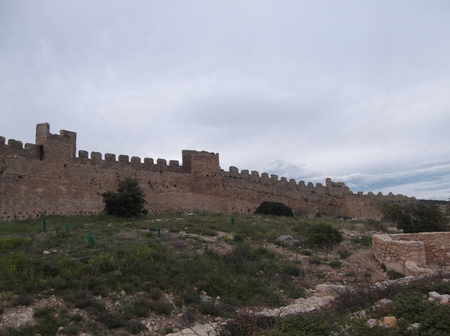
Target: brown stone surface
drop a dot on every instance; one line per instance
(48, 178)
(412, 253)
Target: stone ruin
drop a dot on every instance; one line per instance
(413, 253)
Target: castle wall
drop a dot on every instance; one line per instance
(49, 177)
(410, 253)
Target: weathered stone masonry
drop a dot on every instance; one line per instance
(412, 253)
(48, 177)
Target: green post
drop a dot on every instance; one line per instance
(44, 226)
(90, 239)
(159, 232)
(67, 227)
(232, 220)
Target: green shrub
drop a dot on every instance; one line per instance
(209, 308)
(140, 308)
(71, 329)
(264, 252)
(432, 316)
(161, 307)
(168, 330)
(134, 327)
(112, 321)
(275, 209)
(292, 270)
(303, 325)
(42, 312)
(335, 263)
(76, 317)
(315, 260)
(416, 217)
(238, 238)
(363, 240)
(324, 236)
(344, 253)
(306, 252)
(23, 300)
(293, 291)
(128, 201)
(155, 293)
(393, 275)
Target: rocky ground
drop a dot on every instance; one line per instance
(358, 269)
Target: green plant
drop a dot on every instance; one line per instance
(292, 270)
(315, 260)
(306, 252)
(416, 217)
(155, 293)
(335, 263)
(23, 300)
(363, 240)
(274, 208)
(140, 308)
(238, 238)
(42, 312)
(303, 325)
(128, 201)
(161, 307)
(209, 308)
(344, 253)
(168, 330)
(71, 329)
(393, 275)
(111, 321)
(324, 236)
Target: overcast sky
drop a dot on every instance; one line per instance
(358, 91)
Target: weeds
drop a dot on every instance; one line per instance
(23, 300)
(130, 256)
(335, 263)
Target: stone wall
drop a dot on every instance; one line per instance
(412, 253)
(49, 178)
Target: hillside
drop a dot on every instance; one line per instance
(99, 275)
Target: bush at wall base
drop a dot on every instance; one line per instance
(128, 201)
(274, 208)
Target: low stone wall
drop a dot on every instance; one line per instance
(412, 253)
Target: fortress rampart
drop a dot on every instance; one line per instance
(48, 177)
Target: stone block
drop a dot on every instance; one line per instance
(389, 321)
(434, 296)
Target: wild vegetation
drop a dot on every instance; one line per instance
(275, 209)
(416, 217)
(110, 274)
(128, 201)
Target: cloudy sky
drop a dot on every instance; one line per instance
(358, 91)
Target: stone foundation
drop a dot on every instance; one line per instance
(412, 253)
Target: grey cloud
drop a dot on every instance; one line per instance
(349, 89)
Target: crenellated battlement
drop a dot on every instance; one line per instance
(15, 148)
(111, 160)
(254, 176)
(48, 177)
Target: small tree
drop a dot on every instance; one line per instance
(416, 217)
(323, 236)
(274, 208)
(128, 201)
